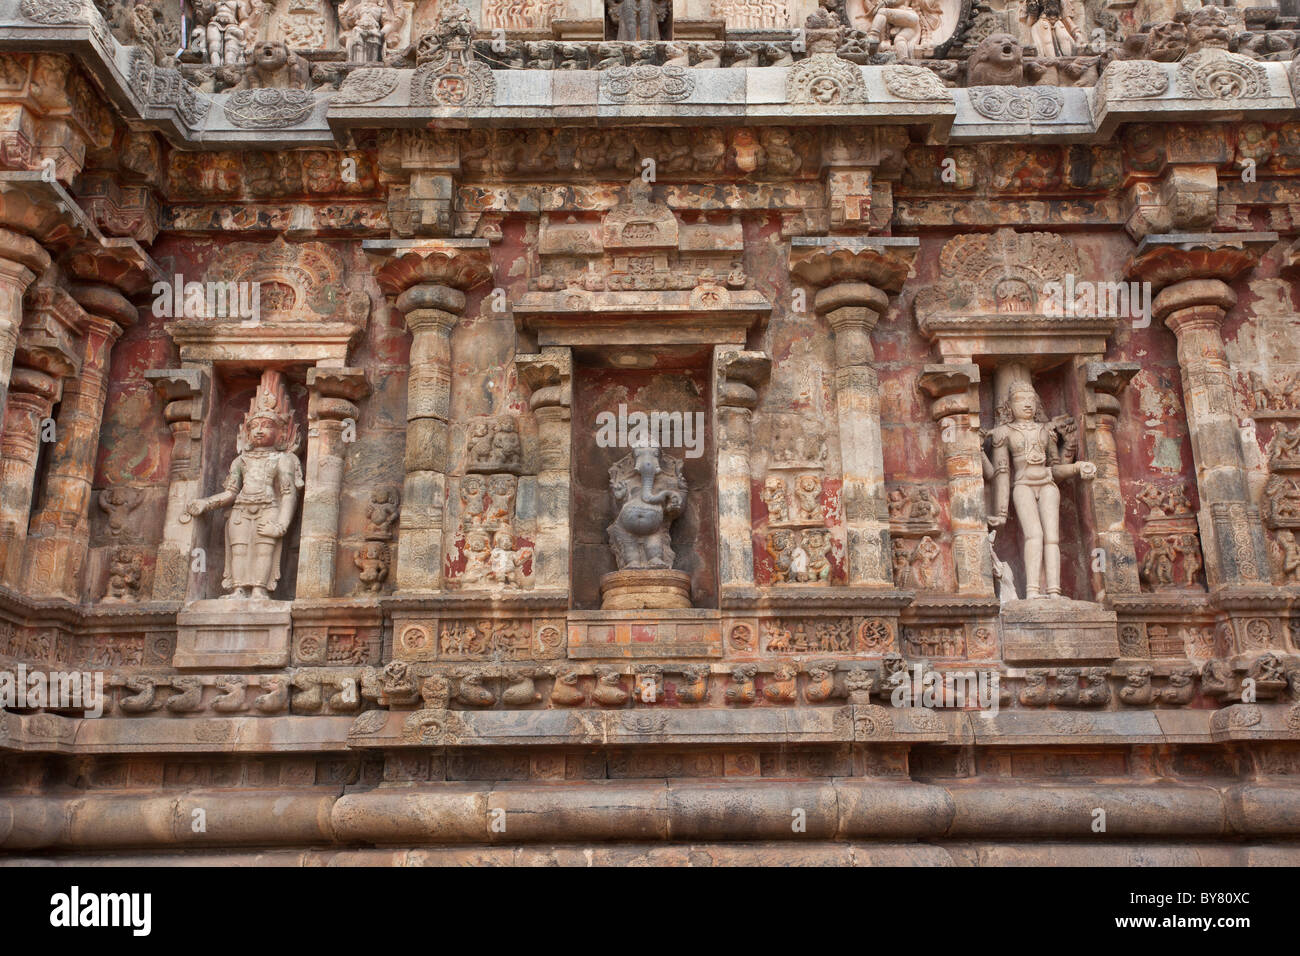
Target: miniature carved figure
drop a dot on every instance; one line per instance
(888, 24)
(125, 570)
(778, 546)
(807, 494)
(478, 553)
(1051, 27)
(650, 492)
(923, 561)
(274, 66)
(1158, 565)
(1288, 556)
(501, 492)
(901, 558)
(372, 560)
(495, 446)
(369, 27)
(774, 496)
(119, 503)
(799, 562)
(816, 543)
(1189, 546)
(230, 26)
(997, 61)
(1027, 464)
(506, 564)
(472, 504)
(261, 492)
(381, 514)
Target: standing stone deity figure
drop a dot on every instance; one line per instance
(649, 492)
(638, 19)
(1051, 28)
(261, 492)
(892, 24)
(369, 27)
(1028, 461)
(231, 27)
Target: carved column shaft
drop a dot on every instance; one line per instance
(329, 409)
(1103, 383)
(185, 393)
(549, 374)
(431, 313)
(60, 531)
(853, 308)
(32, 396)
(739, 374)
(20, 260)
(955, 405)
(1231, 534)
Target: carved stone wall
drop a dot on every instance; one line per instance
(985, 477)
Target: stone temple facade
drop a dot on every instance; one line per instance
(669, 431)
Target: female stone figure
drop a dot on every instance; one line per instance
(261, 492)
(1027, 464)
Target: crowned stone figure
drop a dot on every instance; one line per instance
(1030, 456)
(261, 492)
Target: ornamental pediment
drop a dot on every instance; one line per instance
(995, 288)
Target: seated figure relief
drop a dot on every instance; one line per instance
(650, 492)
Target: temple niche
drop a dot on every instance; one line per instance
(261, 490)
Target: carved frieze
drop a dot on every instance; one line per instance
(1010, 104)
(646, 84)
(268, 108)
(1214, 74)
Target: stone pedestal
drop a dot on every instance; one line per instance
(657, 588)
(233, 634)
(671, 633)
(1056, 630)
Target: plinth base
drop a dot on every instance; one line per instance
(233, 634)
(636, 590)
(1045, 630)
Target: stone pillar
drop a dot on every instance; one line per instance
(185, 393)
(854, 276)
(429, 279)
(431, 313)
(738, 377)
(1192, 274)
(59, 538)
(33, 389)
(329, 408)
(1103, 382)
(549, 374)
(1194, 311)
(955, 405)
(21, 260)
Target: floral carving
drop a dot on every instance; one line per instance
(647, 84)
(269, 108)
(1010, 104)
(54, 11)
(915, 83)
(366, 86)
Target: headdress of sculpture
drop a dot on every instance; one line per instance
(1030, 456)
(261, 492)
